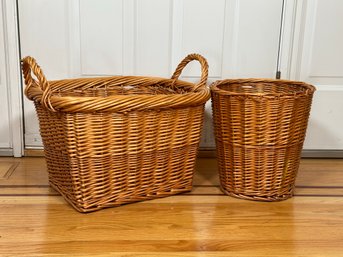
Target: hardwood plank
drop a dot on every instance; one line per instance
(299, 191)
(6, 169)
(34, 153)
(313, 174)
(27, 191)
(30, 171)
(34, 221)
(316, 172)
(195, 253)
(175, 224)
(41, 190)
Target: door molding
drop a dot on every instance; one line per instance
(13, 75)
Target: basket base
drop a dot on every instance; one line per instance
(261, 198)
(82, 209)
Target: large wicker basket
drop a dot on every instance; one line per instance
(260, 128)
(114, 140)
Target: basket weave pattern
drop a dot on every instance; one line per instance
(115, 140)
(260, 128)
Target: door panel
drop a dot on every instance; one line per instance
(152, 38)
(202, 26)
(254, 35)
(318, 59)
(101, 30)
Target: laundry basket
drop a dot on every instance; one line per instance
(260, 128)
(114, 140)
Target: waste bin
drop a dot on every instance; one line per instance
(260, 127)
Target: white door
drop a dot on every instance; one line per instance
(317, 59)
(72, 38)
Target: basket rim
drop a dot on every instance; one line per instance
(38, 89)
(117, 103)
(129, 78)
(215, 87)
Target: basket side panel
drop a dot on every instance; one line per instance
(260, 174)
(259, 142)
(119, 158)
(54, 136)
(261, 121)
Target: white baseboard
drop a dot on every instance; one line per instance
(6, 152)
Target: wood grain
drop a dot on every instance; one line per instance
(35, 221)
(6, 169)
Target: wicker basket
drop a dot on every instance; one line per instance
(114, 140)
(260, 128)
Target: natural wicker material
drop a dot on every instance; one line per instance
(114, 140)
(260, 128)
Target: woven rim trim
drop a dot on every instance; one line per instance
(41, 91)
(120, 103)
(309, 88)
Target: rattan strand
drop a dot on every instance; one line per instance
(116, 140)
(260, 127)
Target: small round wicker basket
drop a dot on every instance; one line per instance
(260, 127)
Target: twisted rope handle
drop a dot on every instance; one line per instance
(204, 69)
(29, 66)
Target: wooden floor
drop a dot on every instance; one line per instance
(36, 221)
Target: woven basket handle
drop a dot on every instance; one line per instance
(29, 67)
(204, 69)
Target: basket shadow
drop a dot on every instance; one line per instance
(206, 172)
